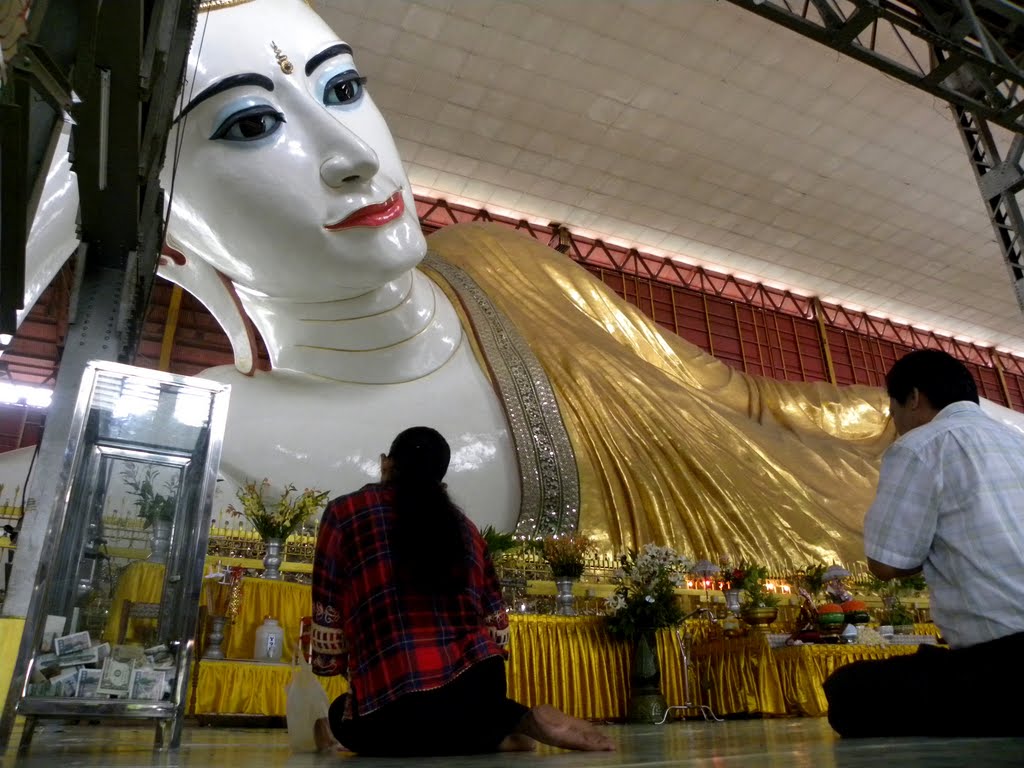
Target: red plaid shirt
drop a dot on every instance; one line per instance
(388, 640)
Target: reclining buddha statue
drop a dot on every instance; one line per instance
(566, 408)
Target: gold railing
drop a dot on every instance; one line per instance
(525, 576)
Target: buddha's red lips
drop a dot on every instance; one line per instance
(376, 215)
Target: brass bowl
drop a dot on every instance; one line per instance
(760, 618)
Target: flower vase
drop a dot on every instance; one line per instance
(565, 600)
(160, 542)
(272, 559)
(646, 702)
(215, 638)
(732, 601)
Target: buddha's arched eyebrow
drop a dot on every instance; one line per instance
(232, 81)
(338, 49)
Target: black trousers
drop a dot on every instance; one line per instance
(469, 715)
(934, 692)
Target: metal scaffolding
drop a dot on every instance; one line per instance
(967, 52)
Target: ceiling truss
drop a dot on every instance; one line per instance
(969, 53)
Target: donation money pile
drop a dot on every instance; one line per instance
(77, 668)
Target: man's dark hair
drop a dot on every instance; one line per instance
(938, 376)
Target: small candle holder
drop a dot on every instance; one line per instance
(215, 638)
(223, 600)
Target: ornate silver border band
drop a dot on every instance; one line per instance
(547, 464)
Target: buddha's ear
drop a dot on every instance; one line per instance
(217, 294)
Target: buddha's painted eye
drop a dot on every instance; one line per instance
(344, 88)
(250, 124)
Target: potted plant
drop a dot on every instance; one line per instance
(811, 579)
(502, 548)
(155, 509)
(498, 544)
(276, 521)
(894, 612)
(566, 556)
(644, 602)
(761, 607)
(152, 506)
(899, 616)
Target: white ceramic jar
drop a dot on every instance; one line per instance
(269, 644)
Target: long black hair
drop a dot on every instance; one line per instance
(430, 544)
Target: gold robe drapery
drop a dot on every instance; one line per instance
(673, 446)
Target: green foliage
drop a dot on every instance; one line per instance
(892, 593)
(897, 588)
(750, 578)
(645, 597)
(152, 506)
(281, 518)
(811, 579)
(498, 543)
(897, 614)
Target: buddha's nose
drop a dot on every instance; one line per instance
(353, 163)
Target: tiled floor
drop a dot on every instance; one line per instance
(798, 743)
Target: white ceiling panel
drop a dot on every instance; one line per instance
(696, 129)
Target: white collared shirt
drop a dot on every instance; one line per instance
(951, 497)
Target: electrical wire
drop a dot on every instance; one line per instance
(180, 125)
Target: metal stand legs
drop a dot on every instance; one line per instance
(685, 640)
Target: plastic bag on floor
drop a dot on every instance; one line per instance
(305, 704)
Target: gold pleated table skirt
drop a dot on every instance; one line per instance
(803, 669)
(571, 663)
(248, 688)
(286, 601)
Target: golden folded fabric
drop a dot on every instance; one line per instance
(673, 446)
(804, 669)
(249, 688)
(569, 662)
(738, 676)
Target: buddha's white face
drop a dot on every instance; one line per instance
(287, 180)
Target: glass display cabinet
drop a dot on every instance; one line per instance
(149, 442)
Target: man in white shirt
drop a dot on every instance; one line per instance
(950, 502)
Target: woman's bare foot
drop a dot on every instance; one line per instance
(323, 736)
(517, 742)
(552, 726)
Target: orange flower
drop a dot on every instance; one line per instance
(851, 606)
(830, 608)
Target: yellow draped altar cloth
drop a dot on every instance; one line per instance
(738, 676)
(571, 663)
(672, 446)
(249, 688)
(804, 668)
(568, 662)
(285, 601)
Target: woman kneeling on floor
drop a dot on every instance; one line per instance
(406, 604)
